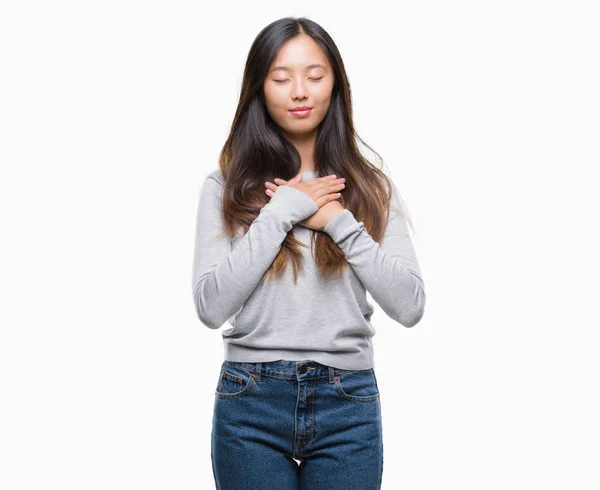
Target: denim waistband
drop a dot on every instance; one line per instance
(291, 369)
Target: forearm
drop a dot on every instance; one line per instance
(223, 280)
(394, 280)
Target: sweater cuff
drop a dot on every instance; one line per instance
(342, 226)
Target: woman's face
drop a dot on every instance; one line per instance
(299, 76)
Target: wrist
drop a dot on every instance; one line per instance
(332, 220)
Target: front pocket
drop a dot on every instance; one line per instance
(233, 382)
(357, 386)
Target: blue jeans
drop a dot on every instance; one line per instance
(267, 415)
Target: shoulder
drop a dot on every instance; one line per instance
(398, 211)
(391, 192)
(213, 185)
(217, 176)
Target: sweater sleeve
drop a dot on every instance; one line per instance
(389, 271)
(224, 276)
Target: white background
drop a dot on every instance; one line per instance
(112, 113)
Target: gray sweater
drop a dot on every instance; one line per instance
(318, 319)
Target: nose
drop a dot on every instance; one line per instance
(298, 90)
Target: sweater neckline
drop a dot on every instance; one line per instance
(308, 175)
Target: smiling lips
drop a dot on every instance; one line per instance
(301, 111)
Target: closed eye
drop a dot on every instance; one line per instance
(281, 81)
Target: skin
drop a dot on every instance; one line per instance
(302, 85)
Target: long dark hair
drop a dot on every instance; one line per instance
(256, 151)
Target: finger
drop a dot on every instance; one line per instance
(279, 181)
(329, 185)
(321, 201)
(327, 178)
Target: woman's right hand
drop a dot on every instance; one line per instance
(321, 190)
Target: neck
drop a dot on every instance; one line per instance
(305, 145)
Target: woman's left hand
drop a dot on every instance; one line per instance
(321, 218)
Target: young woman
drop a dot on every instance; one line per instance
(292, 229)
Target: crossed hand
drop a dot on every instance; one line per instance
(324, 191)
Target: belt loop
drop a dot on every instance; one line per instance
(331, 374)
(257, 370)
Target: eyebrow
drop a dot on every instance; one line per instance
(280, 67)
